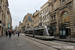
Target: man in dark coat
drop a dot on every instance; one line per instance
(9, 33)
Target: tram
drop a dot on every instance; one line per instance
(42, 32)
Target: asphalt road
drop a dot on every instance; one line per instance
(16, 43)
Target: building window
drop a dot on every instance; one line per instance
(43, 18)
(27, 24)
(47, 9)
(54, 0)
(9, 18)
(48, 16)
(45, 23)
(60, 1)
(63, 1)
(54, 17)
(43, 12)
(52, 7)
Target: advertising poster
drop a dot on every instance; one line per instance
(61, 32)
(64, 33)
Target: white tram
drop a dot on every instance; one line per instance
(42, 32)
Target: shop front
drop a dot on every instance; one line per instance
(64, 28)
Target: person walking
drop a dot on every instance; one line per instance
(18, 34)
(9, 34)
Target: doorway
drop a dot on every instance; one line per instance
(67, 31)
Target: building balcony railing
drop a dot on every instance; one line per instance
(61, 5)
(53, 21)
(65, 3)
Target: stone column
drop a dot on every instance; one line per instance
(57, 24)
(71, 19)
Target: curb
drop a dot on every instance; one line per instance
(65, 40)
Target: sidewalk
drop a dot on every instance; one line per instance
(68, 39)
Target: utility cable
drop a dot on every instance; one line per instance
(37, 5)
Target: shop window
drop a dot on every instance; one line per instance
(52, 17)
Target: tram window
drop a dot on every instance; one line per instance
(41, 32)
(25, 32)
(36, 32)
(30, 32)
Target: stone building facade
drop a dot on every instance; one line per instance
(61, 16)
(36, 19)
(28, 19)
(3, 16)
(8, 20)
(44, 15)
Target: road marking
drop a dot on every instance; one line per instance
(19, 44)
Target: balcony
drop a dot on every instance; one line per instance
(65, 3)
(53, 21)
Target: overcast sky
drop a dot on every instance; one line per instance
(19, 8)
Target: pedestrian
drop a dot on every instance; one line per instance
(6, 33)
(9, 34)
(18, 34)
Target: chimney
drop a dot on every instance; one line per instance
(36, 10)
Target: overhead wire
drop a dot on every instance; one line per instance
(37, 5)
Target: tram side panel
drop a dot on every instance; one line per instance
(26, 33)
(31, 33)
(38, 34)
